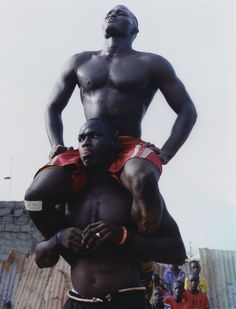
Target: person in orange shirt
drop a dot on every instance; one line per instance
(195, 299)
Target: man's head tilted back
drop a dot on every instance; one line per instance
(120, 22)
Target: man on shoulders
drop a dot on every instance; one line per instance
(117, 83)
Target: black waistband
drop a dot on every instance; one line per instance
(108, 297)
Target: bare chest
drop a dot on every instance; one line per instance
(109, 204)
(121, 73)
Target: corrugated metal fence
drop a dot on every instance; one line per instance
(219, 268)
(24, 286)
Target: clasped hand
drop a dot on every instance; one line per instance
(92, 237)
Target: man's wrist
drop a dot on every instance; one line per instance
(165, 156)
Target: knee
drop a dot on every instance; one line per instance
(32, 194)
(143, 181)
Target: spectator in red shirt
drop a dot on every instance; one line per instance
(195, 299)
(176, 300)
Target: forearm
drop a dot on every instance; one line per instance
(166, 249)
(47, 253)
(180, 132)
(54, 126)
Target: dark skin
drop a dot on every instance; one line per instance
(177, 290)
(119, 83)
(195, 267)
(193, 283)
(104, 206)
(158, 299)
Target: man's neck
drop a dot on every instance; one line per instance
(97, 176)
(117, 45)
(194, 291)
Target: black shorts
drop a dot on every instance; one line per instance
(134, 300)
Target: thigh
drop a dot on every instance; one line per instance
(139, 168)
(51, 183)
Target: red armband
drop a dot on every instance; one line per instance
(124, 236)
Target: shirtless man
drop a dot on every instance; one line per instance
(117, 83)
(98, 238)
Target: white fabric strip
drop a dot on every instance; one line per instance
(34, 205)
(145, 153)
(136, 150)
(138, 288)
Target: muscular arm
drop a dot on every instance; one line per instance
(47, 253)
(58, 100)
(164, 246)
(70, 248)
(179, 100)
(167, 249)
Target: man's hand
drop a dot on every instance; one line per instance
(152, 147)
(161, 153)
(98, 233)
(71, 238)
(57, 150)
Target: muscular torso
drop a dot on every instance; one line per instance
(116, 88)
(112, 266)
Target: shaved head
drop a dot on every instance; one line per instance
(135, 21)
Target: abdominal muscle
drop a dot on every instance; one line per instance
(100, 273)
(125, 112)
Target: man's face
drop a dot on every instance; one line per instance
(177, 291)
(118, 22)
(193, 282)
(96, 144)
(195, 267)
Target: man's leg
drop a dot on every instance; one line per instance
(141, 177)
(50, 187)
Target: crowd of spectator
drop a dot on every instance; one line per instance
(178, 290)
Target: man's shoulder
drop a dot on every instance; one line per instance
(151, 56)
(199, 294)
(81, 57)
(158, 64)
